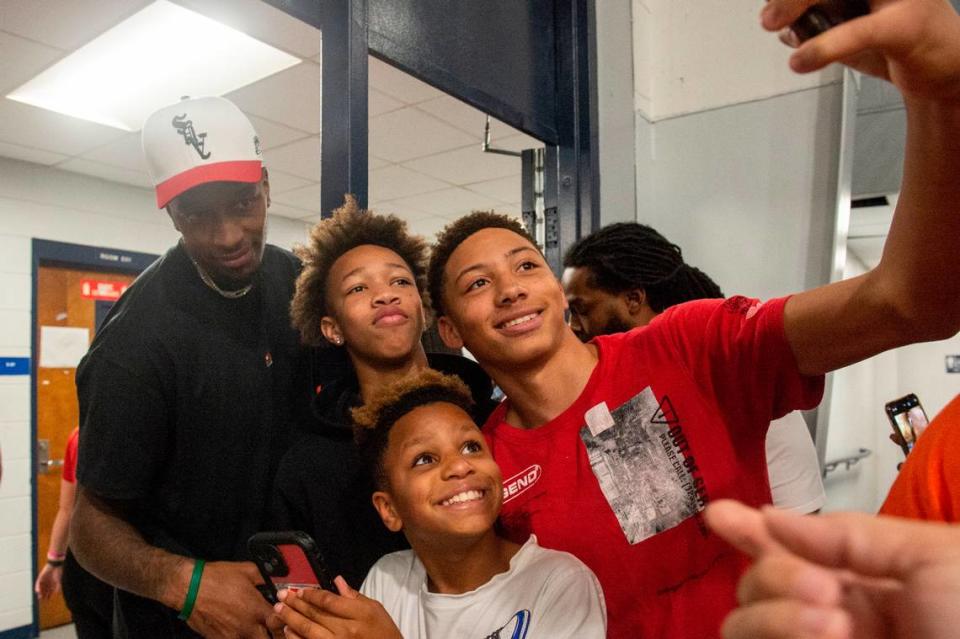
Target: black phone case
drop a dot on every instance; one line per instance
(818, 19)
(259, 544)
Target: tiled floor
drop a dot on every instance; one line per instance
(61, 632)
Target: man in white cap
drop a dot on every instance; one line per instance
(188, 393)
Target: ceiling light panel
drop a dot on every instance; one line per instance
(149, 60)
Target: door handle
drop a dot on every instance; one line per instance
(45, 465)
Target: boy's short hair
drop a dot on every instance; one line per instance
(349, 228)
(453, 235)
(372, 421)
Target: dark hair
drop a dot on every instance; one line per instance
(628, 255)
(453, 235)
(349, 228)
(372, 421)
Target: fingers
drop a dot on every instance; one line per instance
(344, 588)
(741, 526)
(780, 575)
(778, 14)
(866, 544)
(301, 620)
(839, 43)
(784, 619)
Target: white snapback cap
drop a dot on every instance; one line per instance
(199, 140)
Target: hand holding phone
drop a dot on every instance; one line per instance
(288, 560)
(908, 419)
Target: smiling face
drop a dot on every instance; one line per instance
(441, 480)
(222, 224)
(502, 301)
(375, 307)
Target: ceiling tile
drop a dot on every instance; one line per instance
(22, 59)
(428, 226)
(126, 152)
(30, 126)
(107, 172)
(392, 182)
(290, 98)
(281, 182)
(272, 134)
(261, 21)
(466, 165)
(397, 84)
(409, 133)
(292, 212)
(373, 162)
(300, 158)
(451, 203)
(307, 198)
(380, 103)
(28, 154)
(66, 25)
(506, 189)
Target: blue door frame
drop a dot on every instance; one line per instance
(77, 256)
(531, 65)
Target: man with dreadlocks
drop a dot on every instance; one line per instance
(623, 276)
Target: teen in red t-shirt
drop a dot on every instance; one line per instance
(680, 411)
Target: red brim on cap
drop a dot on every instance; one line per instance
(239, 171)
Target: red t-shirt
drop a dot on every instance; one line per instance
(70, 458)
(928, 486)
(679, 411)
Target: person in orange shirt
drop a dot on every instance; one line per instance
(926, 488)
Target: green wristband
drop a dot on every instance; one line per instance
(192, 592)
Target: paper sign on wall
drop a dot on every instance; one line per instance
(63, 346)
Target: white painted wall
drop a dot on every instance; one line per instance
(857, 417)
(38, 202)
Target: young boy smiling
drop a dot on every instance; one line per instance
(437, 482)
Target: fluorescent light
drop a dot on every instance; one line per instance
(151, 59)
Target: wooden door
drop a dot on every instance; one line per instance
(66, 298)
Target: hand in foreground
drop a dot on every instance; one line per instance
(48, 581)
(841, 576)
(914, 44)
(228, 603)
(318, 614)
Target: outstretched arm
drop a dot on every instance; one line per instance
(227, 603)
(913, 295)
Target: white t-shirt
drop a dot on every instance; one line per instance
(546, 594)
(793, 467)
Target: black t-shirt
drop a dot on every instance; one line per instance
(186, 404)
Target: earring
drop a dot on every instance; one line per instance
(338, 340)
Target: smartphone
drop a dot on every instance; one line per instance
(908, 419)
(288, 560)
(826, 15)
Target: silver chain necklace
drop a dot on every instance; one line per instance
(230, 295)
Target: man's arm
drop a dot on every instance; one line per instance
(105, 543)
(913, 295)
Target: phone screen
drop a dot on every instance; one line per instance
(908, 419)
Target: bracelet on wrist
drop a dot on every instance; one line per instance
(54, 563)
(192, 591)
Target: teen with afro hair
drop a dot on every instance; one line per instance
(361, 292)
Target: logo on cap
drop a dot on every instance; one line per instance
(185, 128)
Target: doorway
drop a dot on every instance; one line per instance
(74, 289)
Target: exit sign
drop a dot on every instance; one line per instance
(102, 290)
